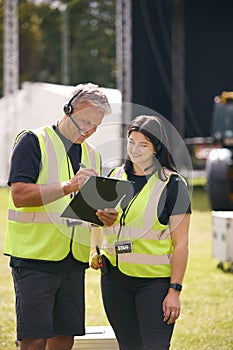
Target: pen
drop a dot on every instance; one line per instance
(99, 256)
(82, 165)
(97, 249)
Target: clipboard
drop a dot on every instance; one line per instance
(97, 193)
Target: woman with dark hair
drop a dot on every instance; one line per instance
(146, 250)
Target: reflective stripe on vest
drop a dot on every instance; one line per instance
(41, 218)
(52, 164)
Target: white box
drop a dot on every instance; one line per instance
(96, 337)
(222, 247)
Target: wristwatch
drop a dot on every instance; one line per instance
(176, 286)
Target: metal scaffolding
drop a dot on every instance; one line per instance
(10, 80)
(124, 62)
(11, 47)
(123, 48)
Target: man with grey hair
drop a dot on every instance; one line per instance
(49, 255)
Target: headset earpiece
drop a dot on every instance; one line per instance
(159, 144)
(68, 109)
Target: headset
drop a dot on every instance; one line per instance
(68, 108)
(159, 138)
(159, 144)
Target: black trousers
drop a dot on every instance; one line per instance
(134, 310)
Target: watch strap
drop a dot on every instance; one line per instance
(176, 286)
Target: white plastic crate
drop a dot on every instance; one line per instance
(222, 247)
(96, 337)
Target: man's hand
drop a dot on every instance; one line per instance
(34, 195)
(94, 261)
(79, 179)
(108, 216)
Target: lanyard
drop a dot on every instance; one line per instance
(124, 214)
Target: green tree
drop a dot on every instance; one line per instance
(31, 45)
(91, 41)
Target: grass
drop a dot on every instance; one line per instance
(206, 321)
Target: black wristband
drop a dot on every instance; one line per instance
(176, 286)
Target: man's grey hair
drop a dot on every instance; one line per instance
(90, 93)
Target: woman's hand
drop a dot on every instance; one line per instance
(171, 306)
(108, 216)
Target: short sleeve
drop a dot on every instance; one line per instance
(174, 200)
(25, 160)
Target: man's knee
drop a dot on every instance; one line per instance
(60, 342)
(32, 344)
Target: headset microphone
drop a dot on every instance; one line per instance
(75, 123)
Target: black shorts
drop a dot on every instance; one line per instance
(48, 304)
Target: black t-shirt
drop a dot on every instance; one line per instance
(25, 167)
(175, 198)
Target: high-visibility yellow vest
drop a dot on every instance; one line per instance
(39, 232)
(151, 241)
